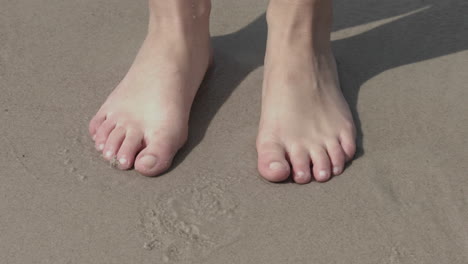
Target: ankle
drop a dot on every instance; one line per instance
(297, 20)
(292, 11)
(179, 12)
(168, 8)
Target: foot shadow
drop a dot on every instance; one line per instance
(423, 30)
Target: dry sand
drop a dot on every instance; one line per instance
(403, 200)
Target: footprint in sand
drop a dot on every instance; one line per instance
(190, 223)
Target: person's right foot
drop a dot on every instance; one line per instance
(144, 121)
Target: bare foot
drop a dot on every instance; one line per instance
(305, 119)
(144, 121)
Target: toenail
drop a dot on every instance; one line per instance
(323, 174)
(336, 170)
(100, 147)
(109, 154)
(302, 176)
(122, 161)
(148, 161)
(277, 166)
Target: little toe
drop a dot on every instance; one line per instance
(113, 143)
(321, 164)
(348, 143)
(337, 158)
(154, 159)
(272, 163)
(129, 149)
(301, 167)
(95, 123)
(103, 133)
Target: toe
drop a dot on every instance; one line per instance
(337, 158)
(154, 159)
(300, 162)
(103, 133)
(348, 143)
(113, 143)
(321, 164)
(272, 163)
(95, 123)
(131, 145)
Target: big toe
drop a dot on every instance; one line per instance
(272, 164)
(147, 165)
(154, 159)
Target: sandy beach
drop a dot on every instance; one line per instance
(404, 199)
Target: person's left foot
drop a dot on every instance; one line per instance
(305, 119)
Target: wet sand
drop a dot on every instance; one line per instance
(403, 200)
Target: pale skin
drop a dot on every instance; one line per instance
(306, 129)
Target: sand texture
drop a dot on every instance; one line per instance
(403, 68)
